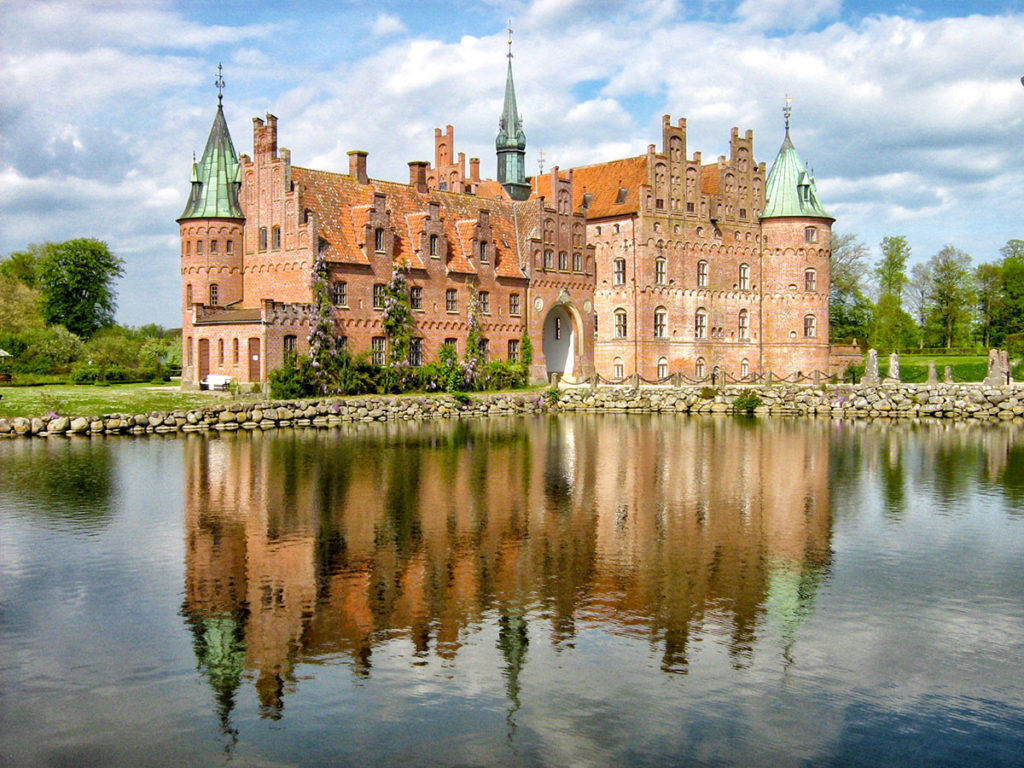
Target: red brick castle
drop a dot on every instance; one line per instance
(654, 265)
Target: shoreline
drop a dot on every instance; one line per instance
(976, 402)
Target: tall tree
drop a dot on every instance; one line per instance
(850, 311)
(892, 269)
(76, 280)
(950, 295)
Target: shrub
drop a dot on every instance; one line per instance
(746, 402)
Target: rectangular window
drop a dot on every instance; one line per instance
(416, 352)
(378, 295)
(451, 300)
(379, 346)
(416, 297)
(513, 350)
(513, 304)
(340, 294)
(485, 302)
(620, 271)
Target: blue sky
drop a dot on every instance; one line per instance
(911, 115)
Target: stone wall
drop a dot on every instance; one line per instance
(903, 401)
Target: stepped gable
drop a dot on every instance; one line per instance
(603, 182)
(342, 206)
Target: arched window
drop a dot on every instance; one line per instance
(810, 326)
(620, 272)
(214, 294)
(700, 324)
(743, 325)
(810, 280)
(620, 324)
(744, 282)
(744, 368)
(660, 323)
(659, 271)
(618, 370)
(700, 369)
(702, 274)
(662, 367)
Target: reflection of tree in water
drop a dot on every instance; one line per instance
(69, 482)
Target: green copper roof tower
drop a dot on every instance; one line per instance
(511, 141)
(216, 178)
(790, 189)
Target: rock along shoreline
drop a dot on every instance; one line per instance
(962, 402)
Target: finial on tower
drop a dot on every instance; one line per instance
(219, 82)
(510, 38)
(788, 110)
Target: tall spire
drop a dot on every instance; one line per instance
(789, 189)
(511, 141)
(216, 178)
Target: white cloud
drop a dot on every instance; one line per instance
(388, 24)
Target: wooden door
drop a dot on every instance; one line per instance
(204, 358)
(254, 359)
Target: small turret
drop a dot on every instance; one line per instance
(511, 141)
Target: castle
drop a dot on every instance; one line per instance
(654, 265)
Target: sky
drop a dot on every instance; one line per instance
(911, 116)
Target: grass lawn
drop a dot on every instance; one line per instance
(86, 400)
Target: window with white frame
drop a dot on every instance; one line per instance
(700, 324)
(660, 323)
(620, 324)
(379, 346)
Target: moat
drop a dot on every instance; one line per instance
(598, 590)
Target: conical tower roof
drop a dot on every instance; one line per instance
(790, 189)
(216, 177)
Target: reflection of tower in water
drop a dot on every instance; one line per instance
(323, 544)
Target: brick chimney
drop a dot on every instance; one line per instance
(418, 175)
(357, 166)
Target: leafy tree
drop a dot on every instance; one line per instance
(988, 282)
(76, 281)
(892, 269)
(850, 311)
(950, 295)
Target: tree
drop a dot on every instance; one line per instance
(76, 281)
(950, 295)
(892, 269)
(850, 311)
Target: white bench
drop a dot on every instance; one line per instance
(215, 381)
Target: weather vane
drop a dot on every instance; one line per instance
(787, 110)
(510, 38)
(219, 82)
(540, 162)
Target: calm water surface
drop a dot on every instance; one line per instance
(591, 591)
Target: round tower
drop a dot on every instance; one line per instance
(796, 235)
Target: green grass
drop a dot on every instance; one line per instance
(71, 400)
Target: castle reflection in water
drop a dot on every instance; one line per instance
(309, 546)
